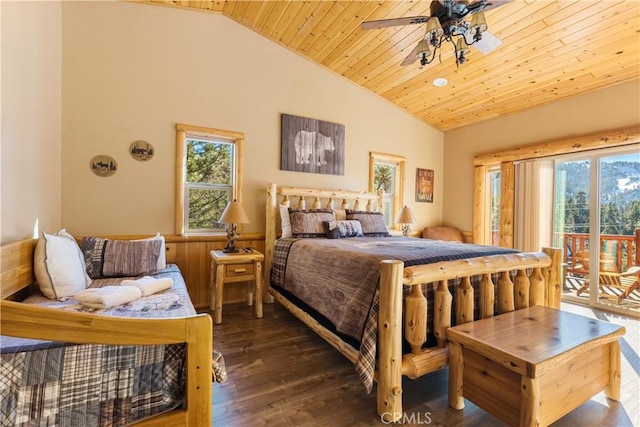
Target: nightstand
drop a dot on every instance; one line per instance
(242, 266)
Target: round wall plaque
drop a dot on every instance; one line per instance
(103, 165)
(141, 150)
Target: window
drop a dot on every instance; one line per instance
(208, 176)
(386, 173)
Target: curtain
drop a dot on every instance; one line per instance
(533, 214)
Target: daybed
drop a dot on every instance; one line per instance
(148, 362)
(403, 308)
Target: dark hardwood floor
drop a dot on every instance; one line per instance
(280, 373)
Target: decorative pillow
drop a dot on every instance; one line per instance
(162, 259)
(285, 222)
(309, 223)
(120, 258)
(59, 266)
(341, 229)
(372, 223)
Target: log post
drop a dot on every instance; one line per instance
(302, 204)
(370, 205)
(389, 396)
(487, 296)
(316, 203)
(442, 299)
(536, 288)
(530, 409)
(330, 203)
(612, 391)
(415, 318)
(553, 291)
(456, 368)
(271, 213)
(505, 293)
(344, 204)
(521, 288)
(464, 301)
(356, 205)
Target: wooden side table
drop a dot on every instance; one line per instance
(532, 366)
(242, 266)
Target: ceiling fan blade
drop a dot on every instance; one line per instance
(487, 44)
(492, 4)
(393, 22)
(412, 57)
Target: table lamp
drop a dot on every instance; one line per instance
(405, 217)
(232, 216)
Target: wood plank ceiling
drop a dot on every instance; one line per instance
(550, 50)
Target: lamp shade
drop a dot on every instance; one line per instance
(406, 216)
(234, 214)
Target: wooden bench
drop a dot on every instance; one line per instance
(532, 366)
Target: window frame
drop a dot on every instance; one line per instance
(184, 132)
(398, 197)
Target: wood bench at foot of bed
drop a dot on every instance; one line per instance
(533, 366)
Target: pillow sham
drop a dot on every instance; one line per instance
(342, 229)
(162, 258)
(120, 258)
(372, 222)
(59, 266)
(285, 222)
(309, 223)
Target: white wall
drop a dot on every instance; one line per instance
(131, 71)
(31, 118)
(607, 109)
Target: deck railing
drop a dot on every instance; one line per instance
(621, 251)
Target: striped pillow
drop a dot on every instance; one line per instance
(372, 223)
(120, 258)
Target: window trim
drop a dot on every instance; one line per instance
(505, 159)
(182, 130)
(400, 162)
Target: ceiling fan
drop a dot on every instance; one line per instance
(447, 20)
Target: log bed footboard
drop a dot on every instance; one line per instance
(537, 282)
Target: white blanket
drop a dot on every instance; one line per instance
(108, 296)
(149, 285)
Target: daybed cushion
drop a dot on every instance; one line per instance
(120, 258)
(372, 222)
(309, 223)
(450, 234)
(59, 265)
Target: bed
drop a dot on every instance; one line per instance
(405, 292)
(148, 362)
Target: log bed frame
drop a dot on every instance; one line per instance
(23, 320)
(541, 287)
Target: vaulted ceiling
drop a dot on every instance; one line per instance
(550, 50)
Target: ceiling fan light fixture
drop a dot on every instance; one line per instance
(478, 25)
(462, 50)
(434, 29)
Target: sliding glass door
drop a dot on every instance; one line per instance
(597, 223)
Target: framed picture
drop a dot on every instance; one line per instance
(424, 185)
(310, 145)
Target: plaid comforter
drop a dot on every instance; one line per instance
(338, 278)
(50, 383)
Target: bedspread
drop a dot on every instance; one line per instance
(339, 279)
(51, 383)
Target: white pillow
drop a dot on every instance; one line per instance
(162, 259)
(285, 222)
(59, 266)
